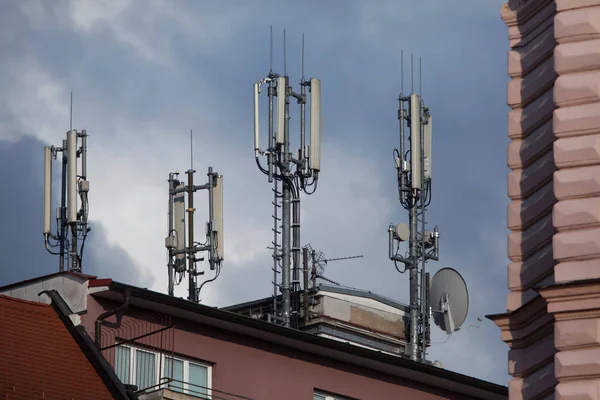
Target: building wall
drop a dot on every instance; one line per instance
(576, 215)
(261, 370)
(554, 187)
(529, 329)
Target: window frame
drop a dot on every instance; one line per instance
(160, 366)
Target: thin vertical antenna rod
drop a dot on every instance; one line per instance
(303, 57)
(401, 72)
(271, 50)
(412, 75)
(71, 114)
(191, 150)
(284, 54)
(420, 77)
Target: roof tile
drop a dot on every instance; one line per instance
(40, 359)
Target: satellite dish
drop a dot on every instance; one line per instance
(449, 299)
(402, 232)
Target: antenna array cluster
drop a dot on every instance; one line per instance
(413, 161)
(291, 173)
(72, 215)
(183, 249)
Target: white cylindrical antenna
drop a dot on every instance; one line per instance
(280, 134)
(315, 124)
(72, 176)
(427, 147)
(256, 130)
(218, 217)
(179, 224)
(47, 189)
(415, 140)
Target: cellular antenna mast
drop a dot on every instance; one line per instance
(413, 163)
(72, 215)
(182, 254)
(291, 173)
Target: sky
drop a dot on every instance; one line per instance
(145, 72)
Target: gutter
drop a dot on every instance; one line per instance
(109, 313)
(85, 343)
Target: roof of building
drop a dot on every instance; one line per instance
(367, 294)
(387, 364)
(45, 356)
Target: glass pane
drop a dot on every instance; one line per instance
(318, 397)
(122, 361)
(145, 369)
(198, 380)
(177, 374)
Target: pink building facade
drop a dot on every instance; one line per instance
(552, 324)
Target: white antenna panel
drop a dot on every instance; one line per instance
(179, 222)
(415, 140)
(72, 176)
(218, 217)
(47, 189)
(256, 126)
(427, 147)
(315, 124)
(280, 134)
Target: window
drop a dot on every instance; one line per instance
(147, 370)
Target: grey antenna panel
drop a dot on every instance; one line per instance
(449, 299)
(179, 225)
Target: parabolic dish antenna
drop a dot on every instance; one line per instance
(449, 299)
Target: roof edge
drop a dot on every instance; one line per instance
(43, 277)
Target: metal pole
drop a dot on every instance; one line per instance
(296, 256)
(305, 271)
(276, 228)
(414, 282)
(74, 256)
(314, 270)
(286, 208)
(270, 162)
(427, 322)
(191, 269)
(63, 211)
(414, 266)
(423, 302)
(171, 287)
(211, 216)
